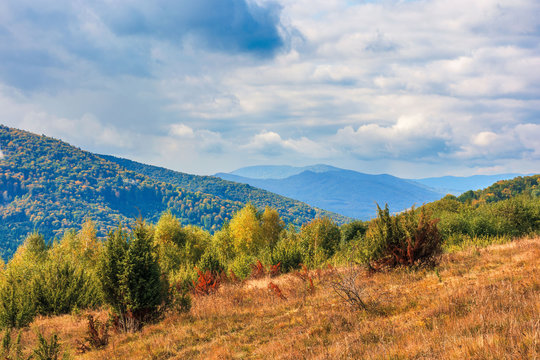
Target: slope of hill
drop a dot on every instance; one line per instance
(345, 191)
(456, 185)
(504, 189)
(292, 211)
(50, 186)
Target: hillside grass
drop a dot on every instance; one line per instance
(479, 303)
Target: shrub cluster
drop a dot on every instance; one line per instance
(407, 239)
(513, 217)
(49, 280)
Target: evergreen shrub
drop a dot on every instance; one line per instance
(403, 239)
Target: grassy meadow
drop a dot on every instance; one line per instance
(478, 303)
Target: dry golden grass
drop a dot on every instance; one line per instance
(478, 304)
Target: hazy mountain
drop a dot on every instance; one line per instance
(346, 192)
(353, 193)
(279, 171)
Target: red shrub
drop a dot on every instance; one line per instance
(257, 270)
(276, 290)
(206, 283)
(275, 270)
(306, 277)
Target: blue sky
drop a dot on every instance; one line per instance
(412, 88)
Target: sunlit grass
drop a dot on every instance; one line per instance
(461, 242)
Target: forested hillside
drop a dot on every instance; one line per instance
(292, 211)
(504, 189)
(506, 208)
(457, 185)
(49, 186)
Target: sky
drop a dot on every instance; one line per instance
(411, 88)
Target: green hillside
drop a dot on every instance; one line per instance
(503, 190)
(506, 208)
(290, 210)
(49, 186)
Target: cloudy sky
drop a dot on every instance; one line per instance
(411, 88)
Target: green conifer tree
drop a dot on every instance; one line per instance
(110, 269)
(16, 306)
(140, 281)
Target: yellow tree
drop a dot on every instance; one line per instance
(245, 230)
(170, 239)
(82, 248)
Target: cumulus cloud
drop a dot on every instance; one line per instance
(519, 142)
(271, 144)
(199, 140)
(409, 136)
(182, 130)
(267, 142)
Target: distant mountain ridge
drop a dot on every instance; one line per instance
(291, 210)
(346, 192)
(353, 193)
(279, 171)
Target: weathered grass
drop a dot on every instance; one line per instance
(479, 303)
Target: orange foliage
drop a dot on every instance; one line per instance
(276, 290)
(257, 270)
(206, 283)
(306, 278)
(275, 270)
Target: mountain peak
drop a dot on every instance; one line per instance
(280, 171)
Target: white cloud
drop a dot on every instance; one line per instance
(520, 142)
(409, 136)
(200, 140)
(485, 138)
(182, 130)
(270, 143)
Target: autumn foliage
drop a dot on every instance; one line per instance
(97, 335)
(257, 270)
(276, 290)
(207, 282)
